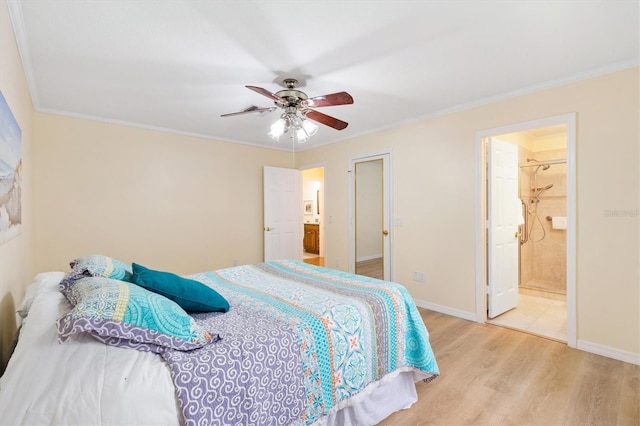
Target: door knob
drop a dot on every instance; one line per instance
(385, 232)
(269, 229)
(518, 234)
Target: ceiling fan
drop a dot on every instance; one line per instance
(297, 108)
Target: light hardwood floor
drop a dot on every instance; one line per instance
(495, 376)
(371, 268)
(318, 261)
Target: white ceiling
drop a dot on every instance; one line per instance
(178, 65)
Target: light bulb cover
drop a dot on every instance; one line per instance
(300, 136)
(309, 127)
(278, 129)
(301, 128)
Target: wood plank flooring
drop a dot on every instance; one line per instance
(371, 268)
(318, 261)
(495, 376)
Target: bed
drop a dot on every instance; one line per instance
(299, 344)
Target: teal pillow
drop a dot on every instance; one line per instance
(191, 295)
(126, 315)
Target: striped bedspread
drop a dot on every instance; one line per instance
(298, 340)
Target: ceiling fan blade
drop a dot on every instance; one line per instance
(327, 120)
(265, 92)
(340, 98)
(248, 111)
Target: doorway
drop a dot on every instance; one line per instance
(313, 215)
(370, 242)
(545, 237)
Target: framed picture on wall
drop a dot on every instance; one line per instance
(10, 174)
(308, 206)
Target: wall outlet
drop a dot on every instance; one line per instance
(235, 262)
(418, 276)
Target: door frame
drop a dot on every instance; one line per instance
(481, 252)
(387, 161)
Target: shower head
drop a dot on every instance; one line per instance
(543, 167)
(541, 189)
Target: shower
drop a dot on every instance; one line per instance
(533, 209)
(537, 189)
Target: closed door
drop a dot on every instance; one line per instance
(282, 213)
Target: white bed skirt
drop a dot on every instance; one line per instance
(395, 391)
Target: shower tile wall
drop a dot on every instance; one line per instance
(543, 260)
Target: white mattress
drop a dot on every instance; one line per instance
(83, 381)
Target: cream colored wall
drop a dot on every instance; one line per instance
(434, 171)
(549, 142)
(167, 201)
(17, 261)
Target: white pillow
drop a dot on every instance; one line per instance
(44, 279)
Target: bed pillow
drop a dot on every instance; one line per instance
(123, 314)
(99, 265)
(191, 295)
(25, 305)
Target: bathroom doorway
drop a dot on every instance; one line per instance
(313, 215)
(544, 231)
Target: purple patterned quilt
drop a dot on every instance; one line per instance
(297, 342)
(253, 376)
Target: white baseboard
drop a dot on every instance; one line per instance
(609, 352)
(373, 256)
(595, 348)
(469, 316)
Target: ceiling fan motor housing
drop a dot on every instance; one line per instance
(290, 94)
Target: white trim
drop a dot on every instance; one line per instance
(352, 232)
(161, 129)
(570, 121)
(597, 72)
(469, 316)
(17, 22)
(609, 352)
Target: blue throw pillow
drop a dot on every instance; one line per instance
(126, 315)
(191, 295)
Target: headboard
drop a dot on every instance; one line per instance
(8, 329)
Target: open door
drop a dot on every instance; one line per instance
(371, 216)
(502, 226)
(282, 214)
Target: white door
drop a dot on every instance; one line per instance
(282, 214)
(503, 213)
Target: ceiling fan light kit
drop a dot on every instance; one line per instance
(298, 111)
(301, 128)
